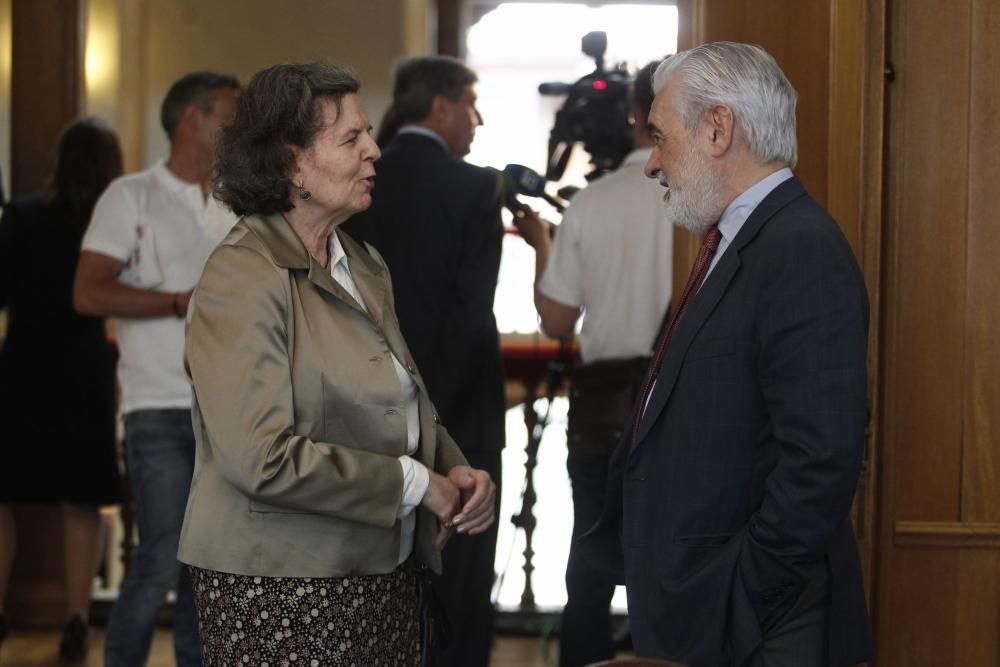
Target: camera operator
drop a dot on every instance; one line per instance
(612, 258)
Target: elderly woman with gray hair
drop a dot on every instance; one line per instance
(324, 480)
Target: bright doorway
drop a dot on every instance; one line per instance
(514, 47)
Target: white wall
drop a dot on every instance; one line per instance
(140, 47)
(242, 36)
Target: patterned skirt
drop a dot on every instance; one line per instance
(291, 622)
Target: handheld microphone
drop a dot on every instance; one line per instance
(530, 183)
(555, 88)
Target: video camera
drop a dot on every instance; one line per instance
(596, 114)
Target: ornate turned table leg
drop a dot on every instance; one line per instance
(525, 518)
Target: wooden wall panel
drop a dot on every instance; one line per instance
(845, 176)
(939, 572)
(926, 219)
(46, 85)
(854, 171)
(946, 606)
(977, 616)
(928, 637)
(981, 462)
(869, 139)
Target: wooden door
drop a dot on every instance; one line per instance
(939, 428)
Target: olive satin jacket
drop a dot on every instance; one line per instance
(298, 414)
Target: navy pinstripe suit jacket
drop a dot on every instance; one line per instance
(739, 483)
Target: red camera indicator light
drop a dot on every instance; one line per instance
(600, 84)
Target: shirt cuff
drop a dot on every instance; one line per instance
(415, 481)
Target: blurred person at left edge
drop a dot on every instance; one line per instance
(66, 453)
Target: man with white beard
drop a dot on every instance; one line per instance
(728, 497)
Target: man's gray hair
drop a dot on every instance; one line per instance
(745, 78)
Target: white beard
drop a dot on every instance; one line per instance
(692, 201)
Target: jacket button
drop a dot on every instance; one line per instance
(391, 412)
(437, 420)
(411, 368)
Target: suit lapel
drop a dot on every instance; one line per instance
(708, 297)
(289, 252)
(322, 279)
(700, 308)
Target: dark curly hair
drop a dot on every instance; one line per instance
(279, 109)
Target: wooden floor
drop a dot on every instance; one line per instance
(36, 648)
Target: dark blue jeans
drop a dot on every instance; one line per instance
(160, 462)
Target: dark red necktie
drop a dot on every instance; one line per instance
(697, 277)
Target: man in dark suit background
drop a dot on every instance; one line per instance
(436, 221)
(728, 497)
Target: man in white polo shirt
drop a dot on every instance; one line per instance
(142, 256)
(611, 257)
